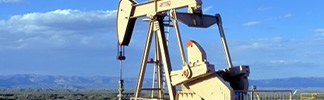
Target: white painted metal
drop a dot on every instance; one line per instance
(197, 77)
(143, 64)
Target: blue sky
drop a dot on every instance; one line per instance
(276, 38)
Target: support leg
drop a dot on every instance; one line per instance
(143, 64)
(165, 55)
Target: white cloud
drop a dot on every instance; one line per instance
(264, 8)
(279, 53)
(278, 61)
(61, 20)
(207, 8)
(319, 31)
(57, 28)
(263, 43)
(288, 15)
(251, 23)
(10, 1)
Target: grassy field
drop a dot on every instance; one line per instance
(57, 94)
(102, 94)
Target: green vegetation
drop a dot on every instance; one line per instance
(58, 94)
(105, 94)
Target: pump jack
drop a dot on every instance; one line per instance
(197, 78)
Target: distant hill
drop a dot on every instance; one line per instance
(294, 82)
(62, 82)
(103, 82)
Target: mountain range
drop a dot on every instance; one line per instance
(104, 82)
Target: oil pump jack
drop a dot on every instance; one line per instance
(198, 78)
